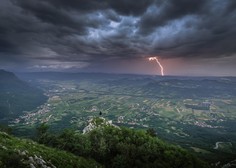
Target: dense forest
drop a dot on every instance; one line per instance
(120, 147)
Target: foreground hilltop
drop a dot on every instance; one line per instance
(23, 153)
(104, 146)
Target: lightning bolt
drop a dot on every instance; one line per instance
(155, 58)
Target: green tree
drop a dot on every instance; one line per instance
(5, 128)
(42, 133)
(151, 132)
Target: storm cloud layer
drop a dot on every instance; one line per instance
(61, 34)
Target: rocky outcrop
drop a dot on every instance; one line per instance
(97, 122)
(34, 161)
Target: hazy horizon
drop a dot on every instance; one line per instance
(116, 73)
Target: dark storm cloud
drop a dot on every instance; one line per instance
(123, 7)
(48, 13)
(207, 28)
(231, 7)
(130, 7)
(88, 31)
(165, 11)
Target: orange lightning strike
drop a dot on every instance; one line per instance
(155, 58)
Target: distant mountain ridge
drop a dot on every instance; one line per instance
(6, 74)
(17, 96)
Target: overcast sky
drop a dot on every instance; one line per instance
(190, 37)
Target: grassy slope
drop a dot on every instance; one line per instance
(15, 152)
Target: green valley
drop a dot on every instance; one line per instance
(197, 114)
(142, 102)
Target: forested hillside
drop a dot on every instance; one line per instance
(121, 147)
(23, 153)
(105, 145)
(17, 96)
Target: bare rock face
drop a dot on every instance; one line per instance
(97, 122)
(39, 162)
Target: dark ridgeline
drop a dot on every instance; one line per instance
(17, 96)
